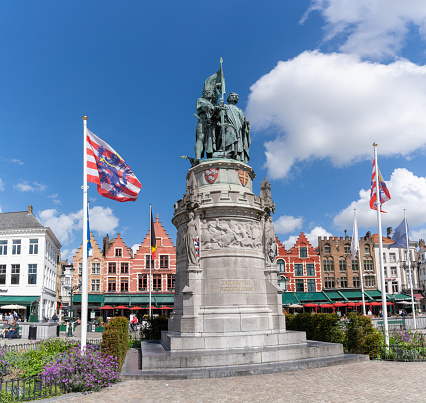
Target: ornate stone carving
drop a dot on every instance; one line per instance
(265, 197)
(270, 240)
(220, 234)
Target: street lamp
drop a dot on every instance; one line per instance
(70, 288)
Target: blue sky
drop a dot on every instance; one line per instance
(319, 80)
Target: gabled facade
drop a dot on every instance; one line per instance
(340, 271)
(299, 267)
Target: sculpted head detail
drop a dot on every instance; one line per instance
(233, 98)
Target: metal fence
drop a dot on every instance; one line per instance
(22, 347)
(399, 352)
(31, 388)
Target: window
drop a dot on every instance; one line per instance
(394, 286)
(392, 257)
(343, 282)
(355, 265)
(303, 252)
(326, 248)
(156, 282)
(118, 252)
(369, 281)
(356, 281)
(96, 268)
(147, 262)
(2, 274)
(16, 247)
(347, 249)
(124, 284)
(125, 268)
(342, 264)
(393, 271)
(3, 247)
(96, 285)
(112, 267)
(281, 266)
(368, 264)
(328, 264)
(164, 261)
(328, 282)
(310, 269)
(80, 268)
(384, 257)
(311, 285)
(32, 274)
(111, 284)
(367, 249)
(142, 282)
(282, 283)
(33, 247)
(171, 278)
(16, 270)
(298, 269)
(299, 286)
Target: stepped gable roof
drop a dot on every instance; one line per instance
(302, 240)
(18, 220)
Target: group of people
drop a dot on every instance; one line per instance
(10, 327)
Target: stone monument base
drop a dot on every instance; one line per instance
(294, 354)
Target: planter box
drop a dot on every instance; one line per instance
(62, 327)
(99, 329)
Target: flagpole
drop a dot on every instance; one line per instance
(382, 271)
(84, 271)
(360, 265)
(410, 271)
(150, 258)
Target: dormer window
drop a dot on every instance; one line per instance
(118, 252)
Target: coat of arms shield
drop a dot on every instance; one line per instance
(211, 175)
(243, 175)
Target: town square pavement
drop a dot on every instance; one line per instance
(368, 381)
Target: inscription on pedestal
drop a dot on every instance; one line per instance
(236, 286)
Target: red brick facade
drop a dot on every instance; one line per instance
(299, 267)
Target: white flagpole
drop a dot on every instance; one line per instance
(150, 258)
(382, 270)
(360, 263)
(84, 271)
(410, 271)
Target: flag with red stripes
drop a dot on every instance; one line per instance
(383, 190)
(109, 171)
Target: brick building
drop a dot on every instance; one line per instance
(118, 276)
(339, 271)
(299, 267)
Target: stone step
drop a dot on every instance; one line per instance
(156, 356)
(132, 360)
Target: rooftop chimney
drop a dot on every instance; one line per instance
(30, 209)
(388, 231)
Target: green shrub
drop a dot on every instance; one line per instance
(319, 326)
(154, 328)
(360, 335)
(115, 338)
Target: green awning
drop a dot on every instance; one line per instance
(93, 298)
(373, 294)
(288, 298)
(398, 297)
(310, 297)
(18, 300)
(352, 295)
(333, 296)
(117, 299)
(164, 299)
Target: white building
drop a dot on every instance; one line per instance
(397, 275)
(29, 255)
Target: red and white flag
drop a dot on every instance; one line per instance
(109, 171)
(383, 190)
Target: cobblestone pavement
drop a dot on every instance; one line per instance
(370, 381)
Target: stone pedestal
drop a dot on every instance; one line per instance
(226, 293)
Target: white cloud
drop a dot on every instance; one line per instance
(286, 224)
(334, 107)
(375, 29)
(407, 192)
(312, 237)
(26, 186)
(16, 161)
(68, 254)
(55, 199)
(2, 186)
(64, 226)
(135, 248)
